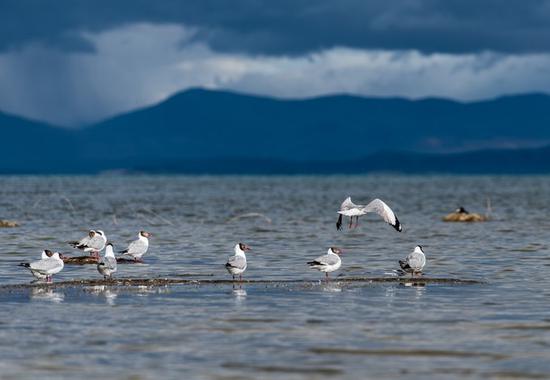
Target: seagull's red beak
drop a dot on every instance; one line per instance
(247, 248)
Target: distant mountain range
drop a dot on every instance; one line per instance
(200, 131)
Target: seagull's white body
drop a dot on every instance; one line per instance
(94, 242)
(45, 268)
(236, 264)
(350, 209)
(138, 247)
(414, 262)
(327, 263)
(108, 265)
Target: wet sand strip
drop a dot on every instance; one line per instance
(152, 282)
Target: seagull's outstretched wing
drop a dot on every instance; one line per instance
(385, 212)
(347, 204)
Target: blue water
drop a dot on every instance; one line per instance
(281, 330)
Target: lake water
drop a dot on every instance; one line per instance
(282, 330)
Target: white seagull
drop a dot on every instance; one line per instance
(329, 262)
(107, 266)
(236, 264)
(46, 268)
(414, 262)
(94, 242)
(348, 208)
(138, 247)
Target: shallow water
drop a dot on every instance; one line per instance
(500, 329)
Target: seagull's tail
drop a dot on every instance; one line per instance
(404, 265)
(124, 252)
(314, 263)
(26, 265)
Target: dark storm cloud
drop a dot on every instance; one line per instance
(293, 26)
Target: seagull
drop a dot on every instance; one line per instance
(94, 242)
(236, 264)
(329, 262)
(348, 208)
(107, 266)
(138, 247)
(46, 268)
(414, 262)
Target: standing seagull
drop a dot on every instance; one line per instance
(107, 266)
(138, 247)
(236, 264)
(348, 208)
(45, 254)
(414, 262)
(46, 268)
(94, 242)
(329, 262)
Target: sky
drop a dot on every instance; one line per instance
(75, 62)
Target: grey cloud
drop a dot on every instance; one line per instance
(293, 26)
(140, 64)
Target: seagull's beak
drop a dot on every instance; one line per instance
(247, 248)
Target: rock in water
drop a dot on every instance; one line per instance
(8, 224)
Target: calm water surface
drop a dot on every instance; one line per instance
(311, 330)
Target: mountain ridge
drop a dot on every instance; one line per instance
(201, 125)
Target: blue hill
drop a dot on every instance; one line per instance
(198, 130)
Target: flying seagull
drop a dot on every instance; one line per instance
(414, 262)
(236, 264)
(327, 263)
(348, 208)
(138, 247)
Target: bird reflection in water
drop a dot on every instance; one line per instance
(42, 294)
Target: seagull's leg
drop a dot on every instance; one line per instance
(241, 278)
(233, 278)
(356, 221)
(327, 277)
(350, 222)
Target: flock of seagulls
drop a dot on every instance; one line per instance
(331, 261)
(95, 241)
